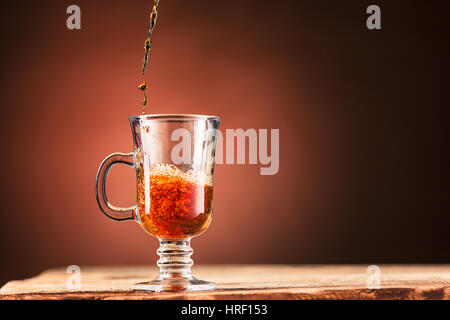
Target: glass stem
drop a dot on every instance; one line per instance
(175, 258)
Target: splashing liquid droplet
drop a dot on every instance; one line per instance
(142, 87)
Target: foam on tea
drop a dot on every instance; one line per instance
(177, 205)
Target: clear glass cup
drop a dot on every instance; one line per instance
(173, 157)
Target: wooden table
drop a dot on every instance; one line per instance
(246, 282)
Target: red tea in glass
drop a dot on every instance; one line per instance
(177, 204)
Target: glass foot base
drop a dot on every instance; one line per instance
(174, 284)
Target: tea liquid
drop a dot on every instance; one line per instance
(173, 204)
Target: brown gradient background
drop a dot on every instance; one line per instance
(363, 119)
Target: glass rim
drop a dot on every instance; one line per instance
(175, 116)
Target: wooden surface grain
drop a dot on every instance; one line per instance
(244, 282)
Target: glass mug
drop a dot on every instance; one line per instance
(173, 157)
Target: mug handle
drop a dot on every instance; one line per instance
(111, 211)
